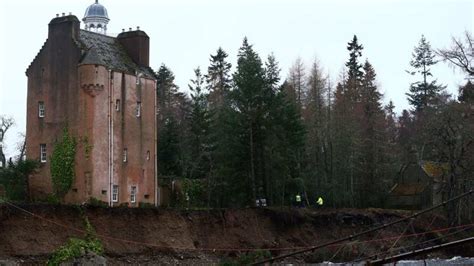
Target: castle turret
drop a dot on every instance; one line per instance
(96, 18)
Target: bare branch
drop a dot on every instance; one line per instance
(461, 54)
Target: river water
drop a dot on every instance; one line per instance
(428, 262)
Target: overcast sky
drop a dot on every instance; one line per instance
(183, 33)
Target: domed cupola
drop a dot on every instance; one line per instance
(96, 18)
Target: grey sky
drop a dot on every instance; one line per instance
(183, 33)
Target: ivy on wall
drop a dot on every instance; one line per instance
(62, 164)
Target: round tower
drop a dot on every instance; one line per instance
(96, 18)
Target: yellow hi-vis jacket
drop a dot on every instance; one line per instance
(320, 201)
(298, 198)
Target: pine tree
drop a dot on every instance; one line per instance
(199, 128)
(221, 135)
(172, 111)
(354, 72)
(249, 98)
(373, 147)
(169, 152)
(218, 78)
(166, 89)
(423, 93)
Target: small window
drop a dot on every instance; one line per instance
(147, 155)
(138, 110)
(117, 105)
(115, 192)
(43, 153)
(125, 155)
(133, 194)
(41, 109)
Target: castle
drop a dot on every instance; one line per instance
(103, 91)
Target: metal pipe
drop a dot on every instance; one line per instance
(109, 137)
(157, 195)
(364, 232)
(420, 251)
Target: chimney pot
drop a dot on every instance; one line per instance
(57, 15)
(70, 13)
(129, 29)
(64, 14)
(138, 27)
(123, 30)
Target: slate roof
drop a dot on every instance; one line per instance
(105, 50)
(408, 189)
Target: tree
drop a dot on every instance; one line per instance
(423, 93)
(169, 152)
(5, 124)
(172, 118)
(218, 78)
(199, 128)
(354, 72)
(166, 89)
(315, 121)
(452, 144)
(14, 178)
(466, 93)
(220, 135)
(296, 89)
(373, 161)
(461, 53)
(249, 98)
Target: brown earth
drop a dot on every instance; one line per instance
(149, 235)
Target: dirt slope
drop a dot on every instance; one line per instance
(204, 234)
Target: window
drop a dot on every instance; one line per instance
(133, 194)
(147, 155)
(115, 192)
(43, 153)
(125, 155)
(117, 105)
(138, 110)
(41, 109)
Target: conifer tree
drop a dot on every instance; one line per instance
(373, 159)
(249, 99)
(199, 128)
(423, 93)
(218, 78)
(354, 69)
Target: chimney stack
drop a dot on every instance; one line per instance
(64, 27)
(137, 45)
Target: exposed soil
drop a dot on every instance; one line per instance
(149, 236)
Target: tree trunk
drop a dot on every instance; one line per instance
(252, 167)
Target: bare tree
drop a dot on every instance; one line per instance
(461, 53)
(5, 124)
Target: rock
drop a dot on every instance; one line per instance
(87, 259)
